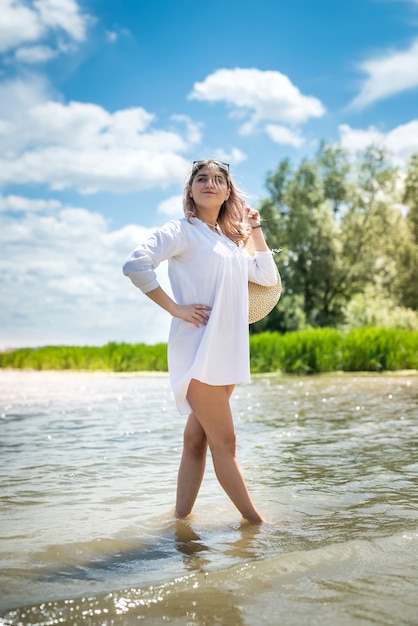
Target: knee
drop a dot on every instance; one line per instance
(225, 445)
(195, 444)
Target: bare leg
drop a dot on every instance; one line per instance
(210, 405)
(192, 466)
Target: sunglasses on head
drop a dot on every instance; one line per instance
(204, 161)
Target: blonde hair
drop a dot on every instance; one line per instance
(231, 217)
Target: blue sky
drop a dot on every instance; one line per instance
(104, 104)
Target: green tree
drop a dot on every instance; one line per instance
(337, 222)
(370, 224)
(411, 196)
(406, 280)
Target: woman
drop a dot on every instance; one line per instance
(208, 347)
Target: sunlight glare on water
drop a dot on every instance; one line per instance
(88, 472)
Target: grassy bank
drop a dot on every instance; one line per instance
(303, 352)
(328, 350)
(113, 357)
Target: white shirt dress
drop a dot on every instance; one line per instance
(204, 267)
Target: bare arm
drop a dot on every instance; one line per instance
(193, 313)
(256, 230)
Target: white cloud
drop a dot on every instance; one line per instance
(22, 24)
(111, 36)
(284, 136)
(391, 73)
(401, 141)
(258, 95)
(35, 54)
(64, 15)
(193, 129)
(18, 24)
(355, 139)
(118, 170)
(20, 203)
(85, 146)
(17, 96)
(61, 282)
(172, 207)
(235, 156)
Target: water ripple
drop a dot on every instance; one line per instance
(88, 473)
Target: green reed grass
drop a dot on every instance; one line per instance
(319, 350)
(113, 357)
(311, 351)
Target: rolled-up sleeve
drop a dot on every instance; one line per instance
(262, 268)
(141, 264)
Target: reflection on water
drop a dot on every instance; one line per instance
(88, 473)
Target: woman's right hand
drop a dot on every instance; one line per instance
(194, 313)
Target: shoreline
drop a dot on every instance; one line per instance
(159, 374)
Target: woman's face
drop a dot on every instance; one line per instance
(209, 188)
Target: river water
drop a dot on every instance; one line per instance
(88, 466)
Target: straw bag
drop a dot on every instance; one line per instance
(261, 299)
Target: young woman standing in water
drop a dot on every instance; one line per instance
(208, 345)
